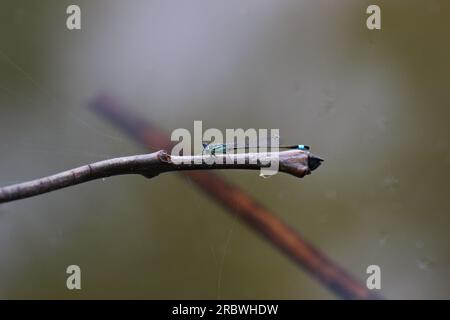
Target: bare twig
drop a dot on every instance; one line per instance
(260, 219)
(295, 162)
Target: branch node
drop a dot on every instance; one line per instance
(164, 157)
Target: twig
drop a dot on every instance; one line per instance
(260, 219)
(295, 162)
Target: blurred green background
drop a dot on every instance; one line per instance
(374, 104)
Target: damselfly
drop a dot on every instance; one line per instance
(222, 148)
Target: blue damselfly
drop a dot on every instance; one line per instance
(222, 148)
